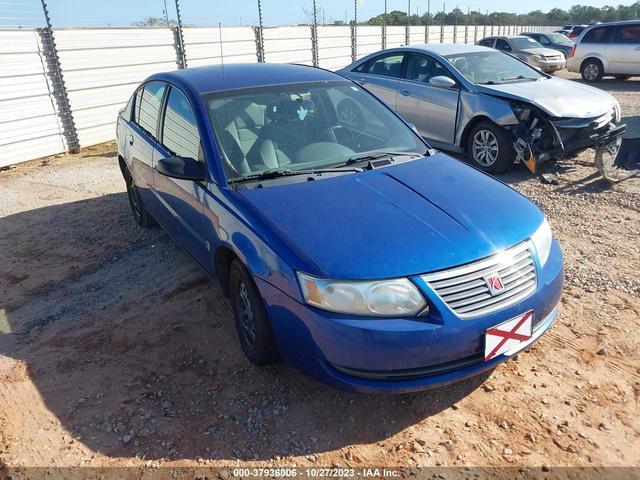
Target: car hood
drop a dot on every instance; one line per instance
(556, 96)
(410, 218)
(547, 52)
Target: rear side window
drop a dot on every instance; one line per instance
(148, 102)
(179, 129)
(388, 66)
(597, 35)
(629, 34)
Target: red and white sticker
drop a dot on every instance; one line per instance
(506, 336)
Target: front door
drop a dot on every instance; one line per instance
(433, 110)
(182, 200)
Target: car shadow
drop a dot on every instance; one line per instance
(134, 352)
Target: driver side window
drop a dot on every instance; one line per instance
(503, 45)
(421, 68)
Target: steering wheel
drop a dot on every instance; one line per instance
(339, 134)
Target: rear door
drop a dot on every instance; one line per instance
(380, 75)
(182, 200)
(432, 110)
(624, 50)
(142, 140)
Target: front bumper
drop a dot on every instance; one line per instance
(549, 65)
(374, 355)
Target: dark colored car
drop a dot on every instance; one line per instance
(347, 246)
(556, 41)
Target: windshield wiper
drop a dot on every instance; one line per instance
(269, 174)
(519, 77)
(375, 155)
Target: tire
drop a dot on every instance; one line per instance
(140, 213)
(250, 316)
(592, 70)
(490, 147)
(622, 77)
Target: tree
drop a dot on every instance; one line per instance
(155, 22)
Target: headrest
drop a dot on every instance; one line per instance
(284, 110)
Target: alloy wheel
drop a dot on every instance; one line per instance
(485, 148)
(591, 71)
(245, 312)
(134, 199)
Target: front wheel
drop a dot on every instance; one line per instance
(252, 323)
(490, 147)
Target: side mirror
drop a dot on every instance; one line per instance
(442, 82)
(182, 168)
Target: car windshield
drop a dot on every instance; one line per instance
(557, 38)
(522, 43)
(491, 67)
(297, 127)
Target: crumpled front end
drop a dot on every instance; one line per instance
(539, 137)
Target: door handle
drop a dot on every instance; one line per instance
(404, 93)
(130, 139)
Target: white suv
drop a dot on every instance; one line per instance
(607, 49)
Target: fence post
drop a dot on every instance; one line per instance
(58, 87)
(177, 45)
(407, 38)
(259, 37)
(384, 36)
(180, 39)
(314, 37)
(257, 31)
(354, 43)
(466, 29)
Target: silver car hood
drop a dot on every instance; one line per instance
(556, 96)
(547, 52)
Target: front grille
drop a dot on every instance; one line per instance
(465, 290)
(553, 57)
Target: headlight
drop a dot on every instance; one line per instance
(379, 298)
(537, 57)
(542, 239)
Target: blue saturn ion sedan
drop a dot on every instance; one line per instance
(348, 247)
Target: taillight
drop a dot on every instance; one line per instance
(572, 53)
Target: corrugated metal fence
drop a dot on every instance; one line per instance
(101, 68)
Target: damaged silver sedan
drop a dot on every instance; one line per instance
(489, 105)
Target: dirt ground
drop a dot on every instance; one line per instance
(116, 351)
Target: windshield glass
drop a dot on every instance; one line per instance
(491, 67)
(522, 43)
(300, 126)
(557, 38)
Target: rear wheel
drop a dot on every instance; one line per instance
(592, 70)
(490, 147)
(252, 323)
(140, 213)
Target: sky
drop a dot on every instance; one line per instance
(236, 12)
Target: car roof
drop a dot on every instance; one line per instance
(243, 75)
(444, 49)
(606, 24)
